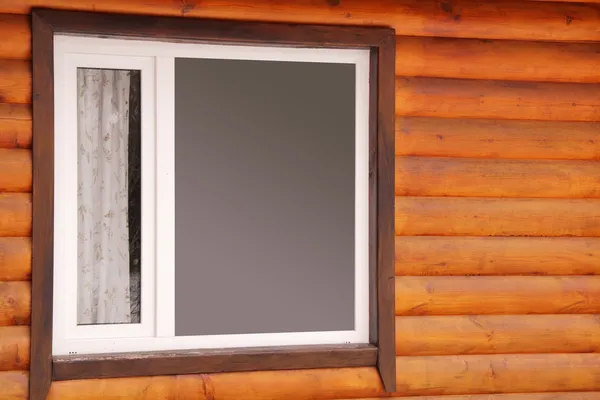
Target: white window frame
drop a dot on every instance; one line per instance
(156, 60)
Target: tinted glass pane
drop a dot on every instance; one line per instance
(264, 196)
(109, 204)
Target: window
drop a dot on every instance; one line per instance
(222, 196)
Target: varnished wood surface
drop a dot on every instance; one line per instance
(464, 216)
(14, 385)
(493, 138)
(15, 303)
(512, 396)
(15, 214)
(15, 170)
(464, 177)
(497, 59)
(506, 19)
(14, 348)
(467, 98)
(15, 133)
(446, 255)
(472, 295)
(15, 259)
(20, 112)
(15, 81)
(497, 334)
(18, 47)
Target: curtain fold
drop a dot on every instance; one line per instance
(103, 231)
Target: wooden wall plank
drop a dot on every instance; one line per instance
(488, 295)
(455, 255)
(507, 373)
(15, 214)
(511, 396)
(14, 348)
(497, 334)
(445, 176)
(506, 19)
(15, 303)
(15, 81)
(15, 134)
(18, 29)
(497, 59)
(463, 98)
(14, 385)
(20, 112)
(15, 259)
(15, 170)
(456, 216)
(488, 138)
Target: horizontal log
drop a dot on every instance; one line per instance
(15, 303)
(489, 138)
(15, 170)
(506, 19)
(446, 255)
(444, 176)
(488, 295)
(17, 28)
(506, 373)
(20, 112)
(14, 385)
(15, 259)
(15, 214)
(15, 81)
(15, 133)
(497, 334)
(289, 385)
(511, 396)
(456, 216)
(463, 98)
(14, 348)
(497, 59)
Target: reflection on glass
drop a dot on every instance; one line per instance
(108, 193)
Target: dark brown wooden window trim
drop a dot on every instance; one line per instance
(381, 350)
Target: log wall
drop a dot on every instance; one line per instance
(497, 207)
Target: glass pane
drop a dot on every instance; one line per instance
(264, 196)
(109, 196)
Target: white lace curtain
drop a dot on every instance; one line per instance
(103, 242)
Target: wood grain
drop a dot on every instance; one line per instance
(489, 138)
(15, 81)
(488, 295)
(20, 112)
(497, 334)
(15, 214)
(14, 348)
(505, 19)
(446, 255)
(15, 134)
(455, 216)
(511, 396)
(462, 98)
(15, 303)
(17, 28)
(14, 385)
(507, 373)
(15, 259)
(497, 59)
(445, 176)
(15, 170)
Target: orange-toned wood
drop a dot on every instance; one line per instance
(505, 373)
(512, 396)
(15, 303)
(15, 170)
(16, 33)
(457, 216)
(444, 176)
(14, 385)
(489, 138)
(497, 334)
(21, 112)
(497, 59)
(15, 214)
(446, 255)
(15, 81)
(15, 259)
(15, 133)
(261, 385)
(14, 348)
(459, 18)
(486, 295)
(463, 98)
